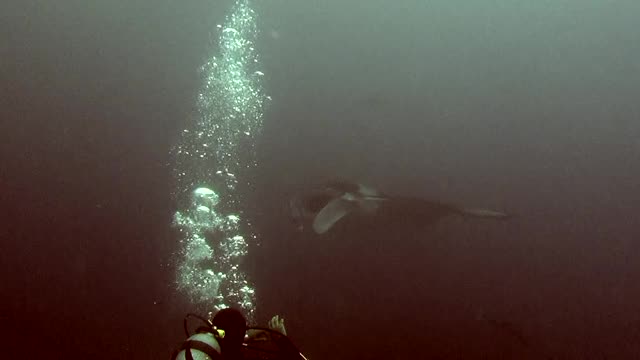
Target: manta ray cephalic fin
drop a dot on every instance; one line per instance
(335, 210)
(338, 208)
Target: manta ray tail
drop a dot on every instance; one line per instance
(485, 213)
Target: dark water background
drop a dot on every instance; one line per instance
(527, 107)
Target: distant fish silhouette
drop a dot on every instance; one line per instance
(339, 199)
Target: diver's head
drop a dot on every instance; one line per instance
(234, 325)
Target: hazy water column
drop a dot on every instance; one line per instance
(213, 158)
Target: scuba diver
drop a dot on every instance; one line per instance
(227, 337)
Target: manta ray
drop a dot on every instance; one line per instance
(338, 200)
